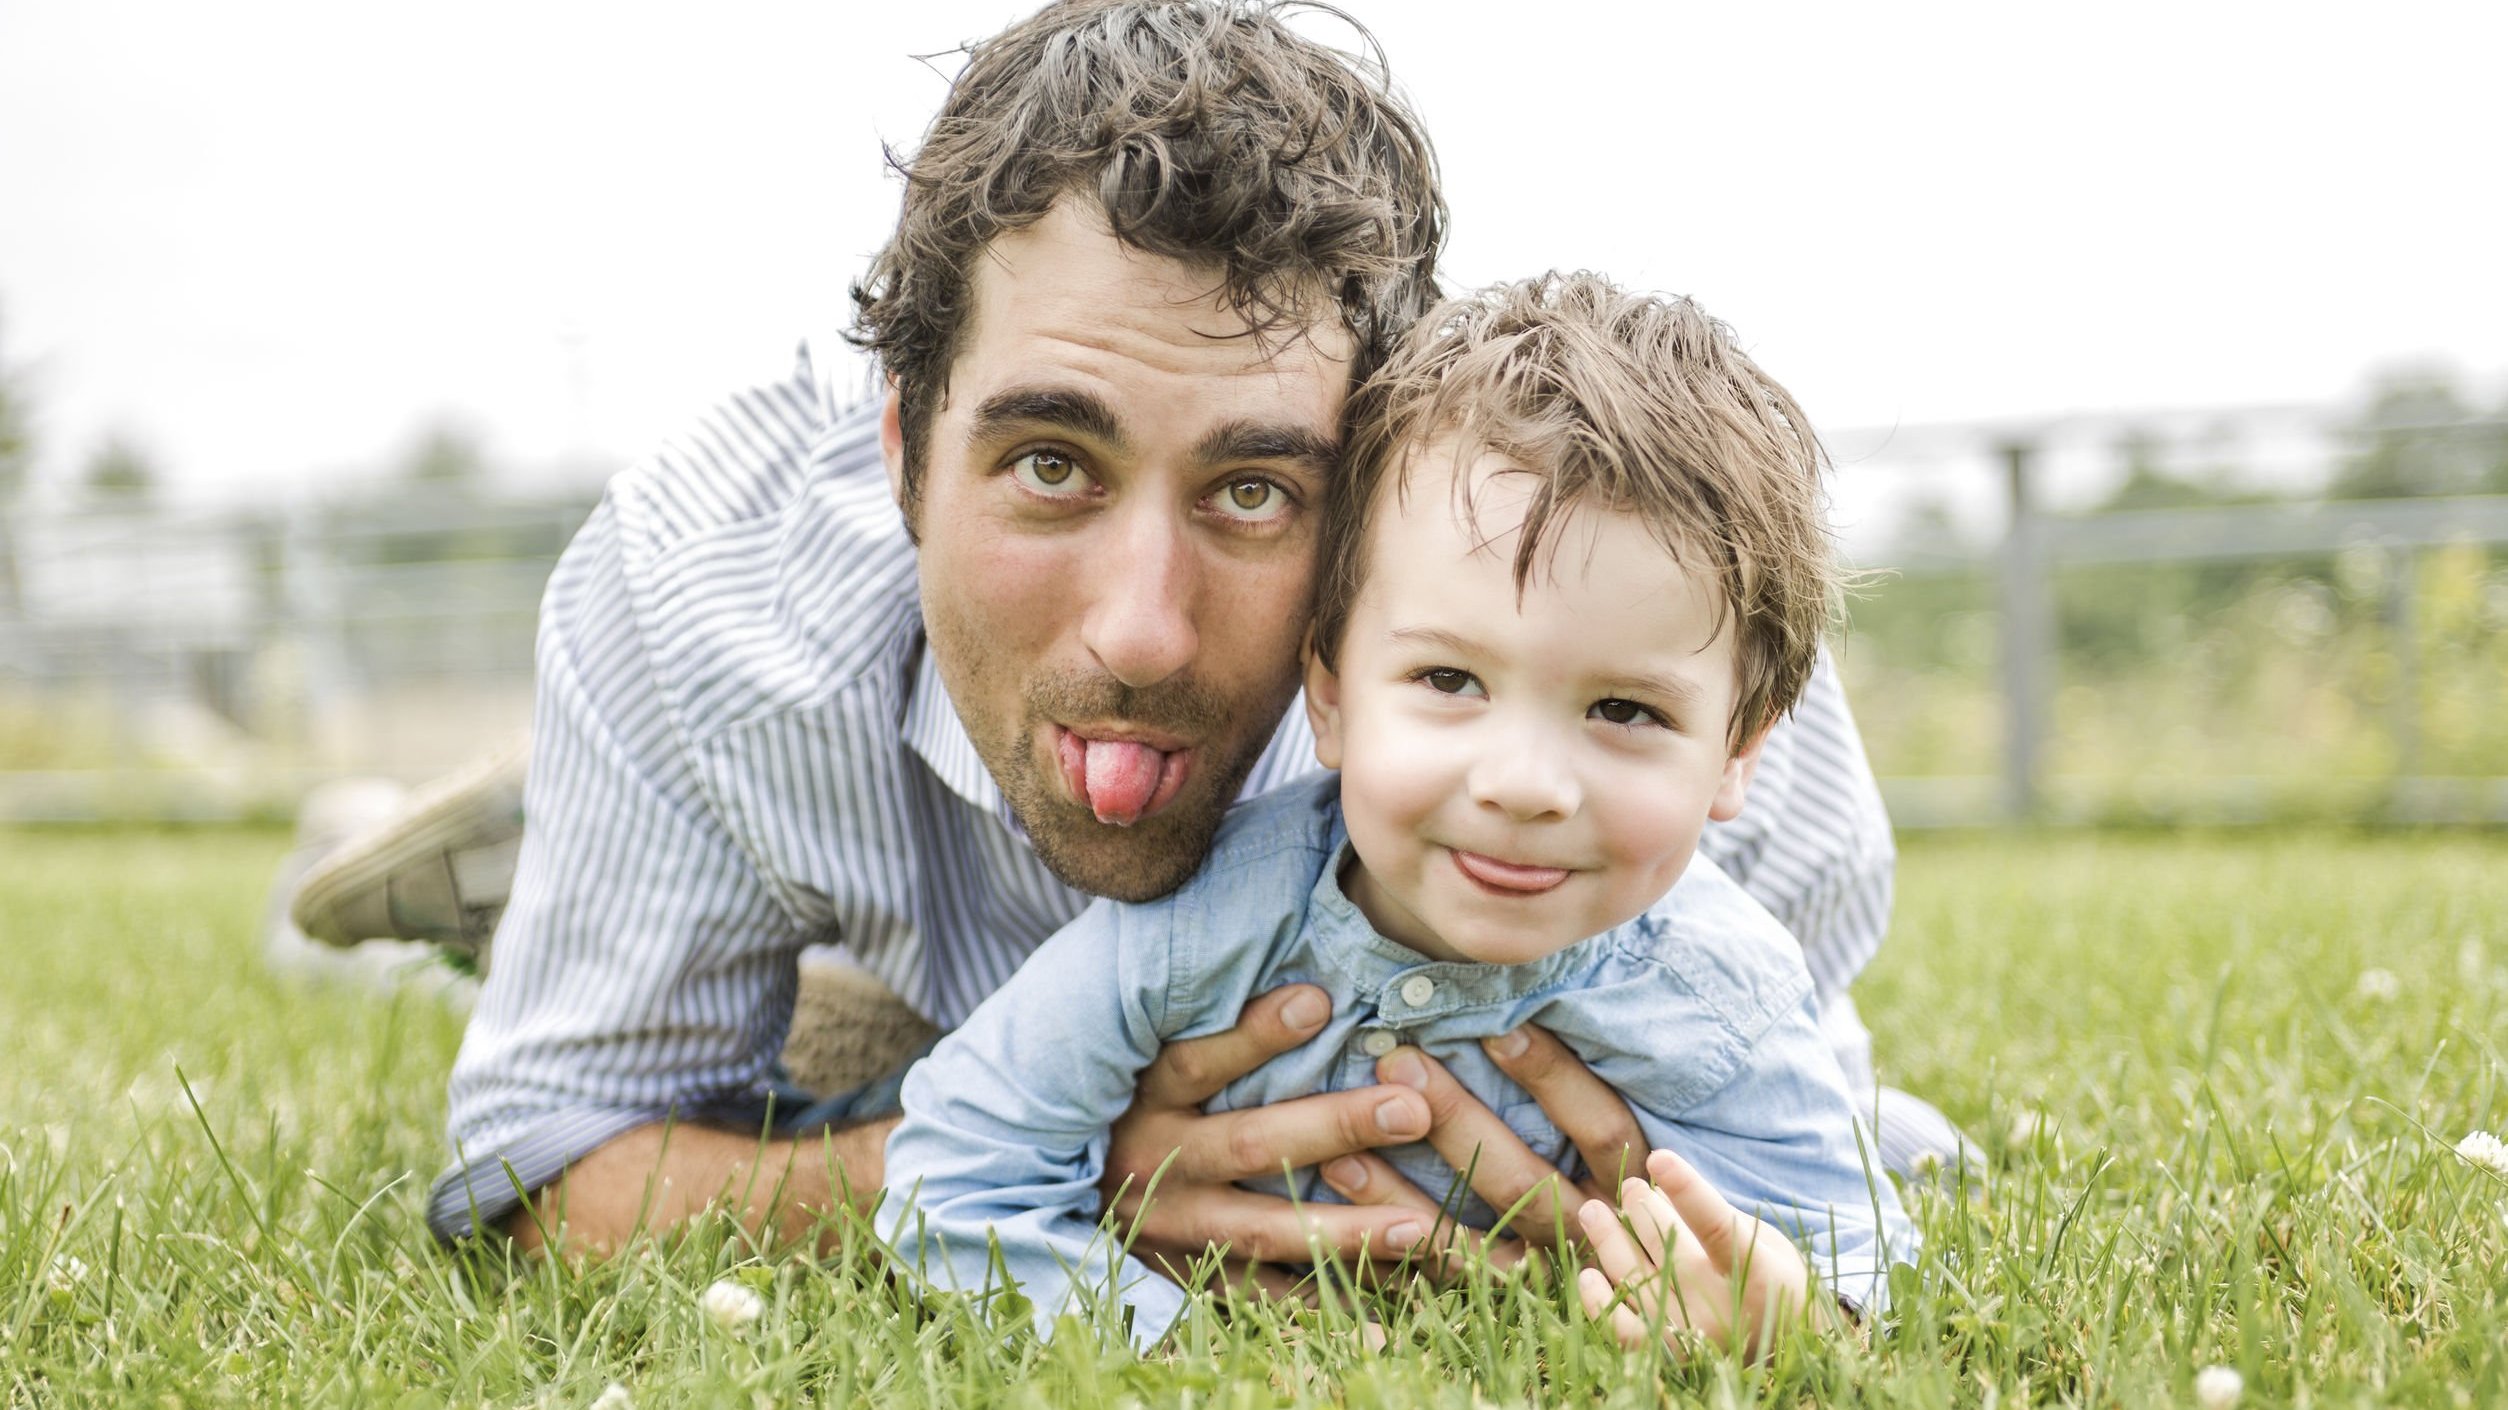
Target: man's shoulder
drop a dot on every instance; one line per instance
(752, 454)
(765, 555)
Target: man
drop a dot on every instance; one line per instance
(918, 679)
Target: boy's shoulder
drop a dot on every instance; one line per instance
(1711, 938)
(1271, 846)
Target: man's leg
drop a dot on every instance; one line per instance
(439, 867)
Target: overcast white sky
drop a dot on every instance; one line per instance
(270, 238)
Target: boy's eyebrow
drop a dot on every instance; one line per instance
(1252, 440)
(1084, 413)
(1670, 687)
(1438, 637)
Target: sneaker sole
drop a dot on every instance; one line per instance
(440, 871)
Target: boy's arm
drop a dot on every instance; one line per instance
(1005, 1126)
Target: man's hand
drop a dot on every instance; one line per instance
(1195, 1205)
(1505, 1173)
(1687, 1264)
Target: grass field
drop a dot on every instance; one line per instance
(2254, 1054)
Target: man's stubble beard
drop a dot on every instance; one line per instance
(1159, 853)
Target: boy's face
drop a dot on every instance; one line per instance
(1519, 775)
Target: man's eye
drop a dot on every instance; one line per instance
(1253, 501)
(1050, 472)
(1445, 680)
(1624, 712)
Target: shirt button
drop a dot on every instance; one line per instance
(1376, 1042)
(1418, 990)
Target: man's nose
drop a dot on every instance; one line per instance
(1526, 775)
(1144, 592)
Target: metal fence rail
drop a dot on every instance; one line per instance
(215, 664)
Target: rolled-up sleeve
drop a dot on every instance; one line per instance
(643, 969)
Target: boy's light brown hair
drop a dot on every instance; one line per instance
(1616, 401)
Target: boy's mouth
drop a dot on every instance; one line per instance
(1121, 781)
(1506, 878)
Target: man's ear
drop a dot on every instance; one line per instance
(1323, 706)
(893, 449)
(1737, 775)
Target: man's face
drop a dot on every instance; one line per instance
(1520, 770)
(1116, 540)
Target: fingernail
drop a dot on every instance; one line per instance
(1507, 1045)
(1307, 1010)
(1346, 1175)
(1402, 1236)
(1408, 1070)
(1394, 1118)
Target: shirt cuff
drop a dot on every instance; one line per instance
(482, 1186)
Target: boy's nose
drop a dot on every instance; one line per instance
(1526, 781)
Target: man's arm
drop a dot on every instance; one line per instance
(658, 1176)
(637, 964)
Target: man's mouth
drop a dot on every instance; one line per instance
(1121, 780)
(1499, 878)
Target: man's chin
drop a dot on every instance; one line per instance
(1138, 863)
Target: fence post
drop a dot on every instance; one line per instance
(2403, 705)
(2028, 635)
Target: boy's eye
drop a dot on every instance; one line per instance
(1624, 712)
(1049, 472)
(1445, 680)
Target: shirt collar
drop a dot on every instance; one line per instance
(1377, 967)
(933, 730)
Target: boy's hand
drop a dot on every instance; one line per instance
(1686, 1264)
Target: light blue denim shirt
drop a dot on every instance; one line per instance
(1699, 1012)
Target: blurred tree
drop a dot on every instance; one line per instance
(2152, 482)
(447, 456)
(120, 472)
(17, 455)
(2420, 436)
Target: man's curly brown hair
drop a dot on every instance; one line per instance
(1614, 401)
(1206, 131)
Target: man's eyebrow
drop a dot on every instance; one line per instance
(1018, 408)
(1240, 441)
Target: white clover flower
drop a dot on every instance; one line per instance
(731, 1306)
(2485, 1150)
(2029, 1126)
(2218, 1387)
(1925, 1165)
(65, 1274)
(2378, 986)
(614, 1398)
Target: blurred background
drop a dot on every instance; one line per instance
(2162, 350)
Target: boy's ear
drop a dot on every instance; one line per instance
(1323, 706)
(1737, 774)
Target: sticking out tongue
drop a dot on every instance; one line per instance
(1121, 777)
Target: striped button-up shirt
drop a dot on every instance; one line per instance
(741, 748)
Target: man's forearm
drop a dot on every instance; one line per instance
(659, 1177)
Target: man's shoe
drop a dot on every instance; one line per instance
(440, 870)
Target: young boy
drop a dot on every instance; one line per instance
(1572, 570)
